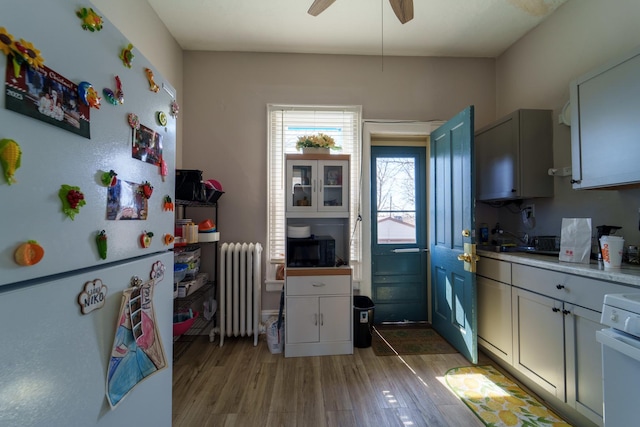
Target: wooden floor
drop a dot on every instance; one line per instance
(242, 385)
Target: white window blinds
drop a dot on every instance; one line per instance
(286, 124)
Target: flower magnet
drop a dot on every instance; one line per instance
(20, 51)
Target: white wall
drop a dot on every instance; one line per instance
(536, 72)
(143, 28)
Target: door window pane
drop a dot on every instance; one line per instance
(396, 200)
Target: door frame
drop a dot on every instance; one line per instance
(391, 129)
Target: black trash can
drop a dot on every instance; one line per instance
(363, 309)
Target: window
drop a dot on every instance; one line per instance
(286, 124)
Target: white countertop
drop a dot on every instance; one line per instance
(628, 274)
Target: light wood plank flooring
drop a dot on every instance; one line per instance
(242, 385)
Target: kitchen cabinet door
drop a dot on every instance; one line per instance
(538, 340)
(584, 362)
(605, 125)
(317, 187)
(513, 156)
(335, 315)
(494, 318)
(302, 321)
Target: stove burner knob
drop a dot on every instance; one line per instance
(614, 317)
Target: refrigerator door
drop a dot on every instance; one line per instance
(55, 359)
(30, 208)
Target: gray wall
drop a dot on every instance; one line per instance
(536, 72)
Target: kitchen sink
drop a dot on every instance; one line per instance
(524, 249)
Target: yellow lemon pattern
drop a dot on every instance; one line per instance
(498, 401)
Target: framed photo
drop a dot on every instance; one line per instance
(45, 95)
(147, 145)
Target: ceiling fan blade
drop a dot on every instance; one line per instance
(319, 6)
(403, 9)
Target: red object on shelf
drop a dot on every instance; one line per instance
(182, 322)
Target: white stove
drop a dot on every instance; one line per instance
(622, 312)
(620, 359)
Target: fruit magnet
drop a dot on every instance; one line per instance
(109, 178)
(101, 243)
(168, 239)
(28, 253)
(146, 189)
(145, 239)
(10, 157)
(72, 200)
(161, 116)
(167, 203)
(91, 21)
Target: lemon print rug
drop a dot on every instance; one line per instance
(498, 401)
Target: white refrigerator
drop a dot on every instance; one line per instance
(79, 172)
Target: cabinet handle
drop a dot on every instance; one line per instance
(559, 286)
(318, 284)
(320, 186)
(313, 186)
(576, 181)
(555, 309)
(315, 319)
(565, 312)
(321, 319)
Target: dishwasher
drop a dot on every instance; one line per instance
(620, 359)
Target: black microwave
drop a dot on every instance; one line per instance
(315, 251)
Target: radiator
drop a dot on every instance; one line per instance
(240, 290)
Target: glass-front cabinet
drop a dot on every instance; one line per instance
(318, 183)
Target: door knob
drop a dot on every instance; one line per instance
(466, 233)
(468, 257)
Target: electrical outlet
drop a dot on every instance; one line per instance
(530, 211)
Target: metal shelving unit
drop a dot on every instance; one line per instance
(195, 301)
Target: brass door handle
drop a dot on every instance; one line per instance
(468, 257)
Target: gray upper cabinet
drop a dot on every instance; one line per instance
(513, 156)
(605, 125)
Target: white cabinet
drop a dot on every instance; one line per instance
(604, 124)
(560, 320)
(318, 307)
(513, 156)
(494, 307)
(538, 340)
(317, 185)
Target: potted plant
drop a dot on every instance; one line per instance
(320, 143)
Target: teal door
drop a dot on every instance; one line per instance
(398, 235)
(452, 198)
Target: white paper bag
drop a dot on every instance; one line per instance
(575, 240)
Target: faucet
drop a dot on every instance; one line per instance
(499, 230)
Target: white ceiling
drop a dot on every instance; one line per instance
(460, 28)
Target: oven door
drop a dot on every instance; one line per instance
(620, 377)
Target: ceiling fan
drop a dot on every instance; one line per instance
(402, 8)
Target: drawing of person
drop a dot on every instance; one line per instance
(44, 104)
(129, 363)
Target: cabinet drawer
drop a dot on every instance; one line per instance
(318, 285)
(582, 291)
(495, 269)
